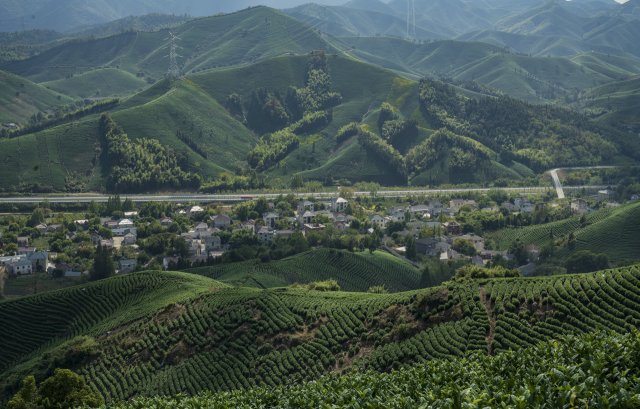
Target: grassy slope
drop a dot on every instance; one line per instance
(21, 98)
(353, 271)
(516, 75)
(173, 333)
(615, 232)
(620, 99)
(231, 39)
(49, 157)
(189, 108)
(107, 82)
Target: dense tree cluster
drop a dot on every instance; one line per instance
(142, 164)
(464, 154)
(535, 135)
(272, 148)
(383, 150)
(65, 389)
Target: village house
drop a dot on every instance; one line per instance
(131, 215)
(397, 214)
(378, 221)
(221, 221)
(127, 266)
(129, 239)
(38, 259)
(42, 228)
(83, 223)
(17, 265)
(306, 206)
(266, 235)
(201, 227)
(195, 210)
(271, 219)
(111, 224)
(166, 222)
(249, 226)
(452, 228)
(426, 245)
(579, 206)
(308, 217)
(420, 210)
(339, 205)
(456, 204)
(125, 224)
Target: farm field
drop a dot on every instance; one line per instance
(155, 333)
(352, 271)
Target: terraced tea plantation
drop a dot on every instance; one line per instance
(615, 232)
(596, 366)
(155, 334)
(353, 271)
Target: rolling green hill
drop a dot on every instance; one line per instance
(157, 333)
(192, 116)
(619, 102)
(352, 271)
(520, 76)
(615, 232)
(21, 98)
(226, 40)
(100, 83)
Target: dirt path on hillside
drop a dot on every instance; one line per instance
(491, 316)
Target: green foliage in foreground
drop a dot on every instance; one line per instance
(65, 389)
(594, 370)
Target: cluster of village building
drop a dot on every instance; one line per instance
(204, 242)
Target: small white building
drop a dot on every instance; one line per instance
(340, 205)
(17, 265)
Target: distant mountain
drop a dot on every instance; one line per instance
(354, 20)
(561, 28)
(66, 15)
(533, 79)
(242, 37)
(148, 22)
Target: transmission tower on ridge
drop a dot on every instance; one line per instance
(174, 68)
(411, 19)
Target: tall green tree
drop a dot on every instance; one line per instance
(103, 265)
